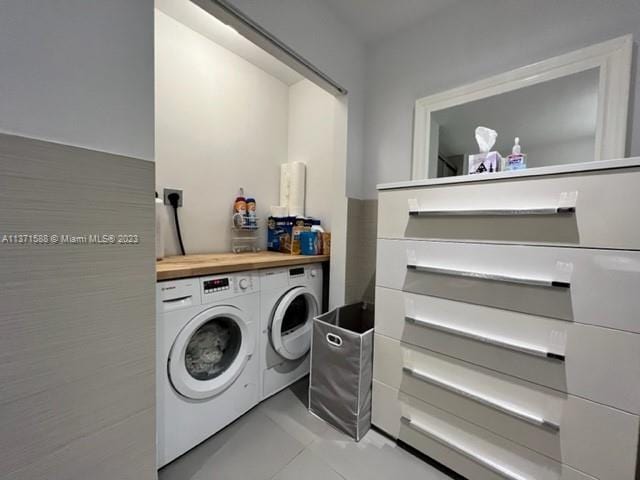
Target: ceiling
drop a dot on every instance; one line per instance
(375, 19)
(370, 20)
(195, 18)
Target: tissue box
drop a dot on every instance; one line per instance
(484, 163)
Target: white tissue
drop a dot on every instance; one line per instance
(486, 138)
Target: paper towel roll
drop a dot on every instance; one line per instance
(297, 185)
(285, 183)
(279, 211)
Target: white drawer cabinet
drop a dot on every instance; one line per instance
(567, 428)
(595, 363)
(595, 210)
(470, 450)
(508, 324)
(596, 287)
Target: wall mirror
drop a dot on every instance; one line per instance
(567, 109)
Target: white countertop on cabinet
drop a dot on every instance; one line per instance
(532, 172)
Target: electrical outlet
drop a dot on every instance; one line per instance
(168, 191)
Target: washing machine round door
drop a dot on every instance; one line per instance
(210, 352)
(292, 321)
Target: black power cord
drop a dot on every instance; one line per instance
(173, 200)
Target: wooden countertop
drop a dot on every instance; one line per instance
(171, 268)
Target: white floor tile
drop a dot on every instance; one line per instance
(289, 410)
(307, 466)
(374, 458)
(254, 448)
(280, 440)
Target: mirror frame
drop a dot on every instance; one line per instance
(612, 57)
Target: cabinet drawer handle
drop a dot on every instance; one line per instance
(509, 212)
(536, 282)
(479, 459)
(491, 340)
(484, 400)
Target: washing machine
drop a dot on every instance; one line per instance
(208, 370)
(289, 299)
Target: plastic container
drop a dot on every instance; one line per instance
(309, 243)
(240, 206)
(251, 210)
(517, 160)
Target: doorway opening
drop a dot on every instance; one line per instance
(228, 113)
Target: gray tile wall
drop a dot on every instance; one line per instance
(362, 219)
(77, 321)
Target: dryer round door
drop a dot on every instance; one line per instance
(210, 352)
(290, 331)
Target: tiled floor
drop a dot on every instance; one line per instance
(280, 440)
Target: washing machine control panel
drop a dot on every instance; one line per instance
(219, 287)
(296, 272)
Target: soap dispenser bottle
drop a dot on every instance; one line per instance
(517, 160)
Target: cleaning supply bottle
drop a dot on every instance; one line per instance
(240, 219)
(517, 160)
(251, 212)
(240, 205)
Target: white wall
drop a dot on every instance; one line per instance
(79, 72)
(311, 140)
(77, 399)
(221, 123)
(467, 42)
(316, 33)
(199, 20)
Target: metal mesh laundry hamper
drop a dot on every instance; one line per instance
(342, 368)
